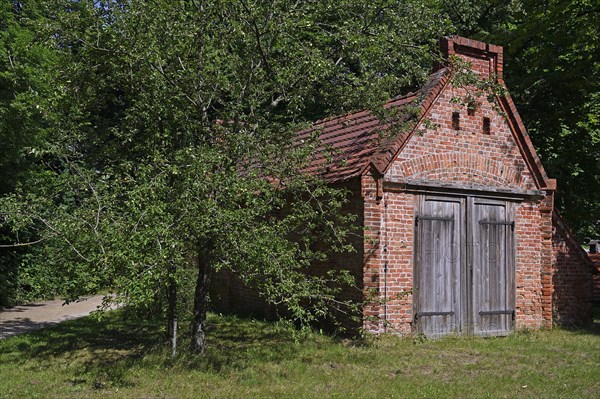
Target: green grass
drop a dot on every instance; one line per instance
(119, 358)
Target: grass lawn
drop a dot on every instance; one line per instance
(119, 358)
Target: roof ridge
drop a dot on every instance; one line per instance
(387, 103)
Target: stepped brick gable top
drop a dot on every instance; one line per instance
(491, 254)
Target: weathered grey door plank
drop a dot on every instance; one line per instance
(438, 258)
(492, 261)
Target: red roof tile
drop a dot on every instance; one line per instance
(348, 144)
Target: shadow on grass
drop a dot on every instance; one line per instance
(100, 352)
(95, 350)
(109, 332)
(236, 343)
(592, 328)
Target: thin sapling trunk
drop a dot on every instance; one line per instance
(198, 344)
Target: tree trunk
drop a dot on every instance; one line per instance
(172, 305)
(198, 343)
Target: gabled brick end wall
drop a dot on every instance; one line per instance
(572, 277)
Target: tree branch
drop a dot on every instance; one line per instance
(24, 244)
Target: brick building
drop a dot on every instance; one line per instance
(594, 256)
(461, 235)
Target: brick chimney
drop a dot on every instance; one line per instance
(486, 59)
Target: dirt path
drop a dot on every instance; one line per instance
(21, 319)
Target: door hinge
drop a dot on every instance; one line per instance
(497, 312)
(422, 314)
(498, 223)
(436, 218)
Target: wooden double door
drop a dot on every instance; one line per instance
(464, 266)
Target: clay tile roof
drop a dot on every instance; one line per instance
(348, 144)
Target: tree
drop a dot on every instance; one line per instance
(170, 154)
(554, 73)
(25, 66)
(479, 18)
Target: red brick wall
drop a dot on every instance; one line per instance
(546, 259)
(397, 283)
(528, 241)
(394, 307)
(596, 283)
(372, 251)
(230, 295)
(572, 277)
(595, 259)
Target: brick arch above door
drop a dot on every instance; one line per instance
(456, 166)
